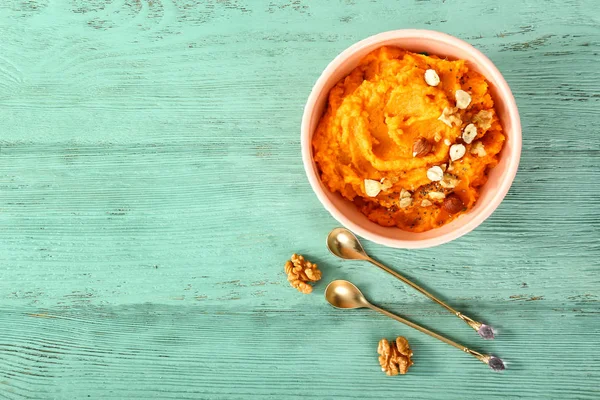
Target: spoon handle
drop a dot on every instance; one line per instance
(473, 324)
(484, 358)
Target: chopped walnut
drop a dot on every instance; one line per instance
(386, 183)
(449, 181)
(450, 117)
(300, 271)
(483, 119)
(478, 149)
(394, 358)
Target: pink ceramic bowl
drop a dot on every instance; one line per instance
(500, 178)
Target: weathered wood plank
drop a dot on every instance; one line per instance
(173, 352)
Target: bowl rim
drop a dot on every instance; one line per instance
(504, 93)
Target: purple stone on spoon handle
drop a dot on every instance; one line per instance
(486, 332)
(496, 364)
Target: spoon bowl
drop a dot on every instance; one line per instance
(343, 244)
(343, 294)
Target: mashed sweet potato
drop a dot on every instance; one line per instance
(409, 138)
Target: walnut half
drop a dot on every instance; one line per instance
(300, 271)
(394, 358)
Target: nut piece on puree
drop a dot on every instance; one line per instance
(379, 111)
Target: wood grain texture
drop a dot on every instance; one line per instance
(151, 188)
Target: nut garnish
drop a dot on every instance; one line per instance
(483, 119)
(406, 202)
(449, 117)
(469, 133)
(300, 271)
(421, 147)
(457, 151)
(453, 204)
(447, 142)
(426, 203)
(478, 149)
(436, 195)
(405, 198)
(432, 78)
(372, 187)
(435, 173)
(394, 358)
(449, 181)
(385, 184)
(463, 99)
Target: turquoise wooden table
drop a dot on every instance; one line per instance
(151, 189)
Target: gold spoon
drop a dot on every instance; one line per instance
(343, 244)
(343, 294)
